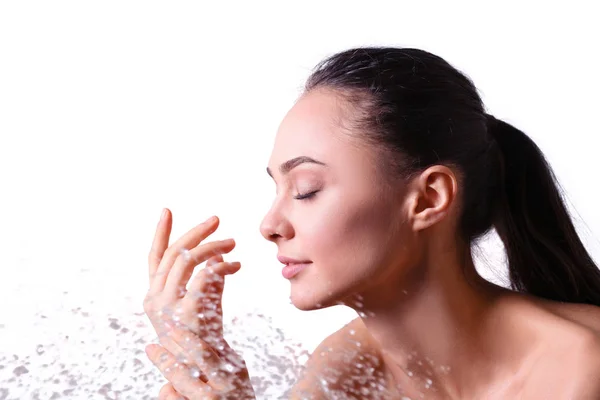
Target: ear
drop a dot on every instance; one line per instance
(433, 193)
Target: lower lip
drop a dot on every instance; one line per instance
(291, 270)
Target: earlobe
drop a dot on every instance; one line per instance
(434, 193)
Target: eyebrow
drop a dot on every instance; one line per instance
(293, 163)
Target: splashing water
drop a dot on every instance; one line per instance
(107, 360)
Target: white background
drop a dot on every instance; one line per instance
(112, 110)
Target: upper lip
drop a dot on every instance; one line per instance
(288, 260)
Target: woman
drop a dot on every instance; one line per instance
(387, 170)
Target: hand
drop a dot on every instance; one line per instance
(227, 375)
(170, 270)
(168, 299)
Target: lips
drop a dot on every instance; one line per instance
(293, 266)
(288, 260)
(291, 270)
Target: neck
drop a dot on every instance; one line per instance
(436, 330)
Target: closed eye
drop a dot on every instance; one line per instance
(305, 196)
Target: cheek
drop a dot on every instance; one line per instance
(346, 236)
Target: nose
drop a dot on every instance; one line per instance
(268, 228)
(274, 226)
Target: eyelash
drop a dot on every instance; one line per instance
(305, 196)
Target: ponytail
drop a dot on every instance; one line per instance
(546, 257)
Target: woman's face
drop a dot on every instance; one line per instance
(351, 227)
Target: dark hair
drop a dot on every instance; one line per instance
(413, 103)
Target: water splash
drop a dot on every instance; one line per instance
(106, 360)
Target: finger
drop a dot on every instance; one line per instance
(181, 377)
(168, 392)
(208, 283)
(206, 290)
(214, 260)
(211, 262)
(188, 241)
(212, 277)
(183, 268)
(201, 354)
(160, 242)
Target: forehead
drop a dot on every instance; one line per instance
(313, 128)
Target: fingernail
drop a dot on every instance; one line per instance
(168, 325)
(163, 215)
(211, 220)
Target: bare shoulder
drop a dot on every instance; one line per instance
(585, 316)
(576, 325)
(344, 365)
(587, 383)
(570, 357)
(583, 324)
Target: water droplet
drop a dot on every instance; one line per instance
(185, 253)
(229, 367)
(20, 370)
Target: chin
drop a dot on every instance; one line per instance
(312, 297)
(304, 300)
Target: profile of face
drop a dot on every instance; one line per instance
(337, 212)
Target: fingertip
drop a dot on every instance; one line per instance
(150, 349)
(231, 268)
